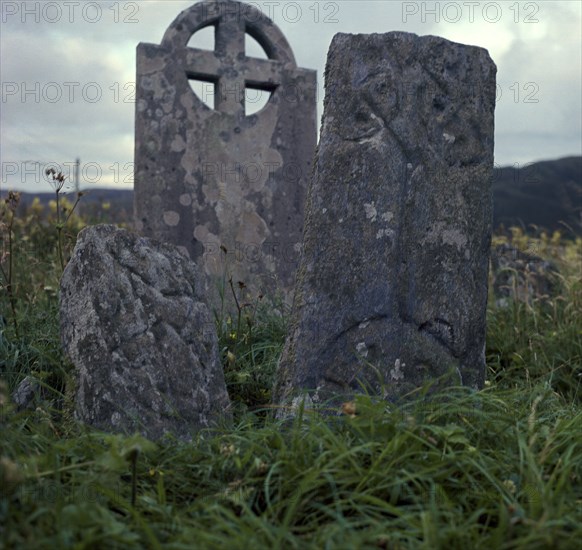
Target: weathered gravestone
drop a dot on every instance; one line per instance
(392, 288)
(145, 347)
(211, 178)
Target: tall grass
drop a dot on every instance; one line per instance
(498, 468)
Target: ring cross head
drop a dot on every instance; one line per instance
(228, 67)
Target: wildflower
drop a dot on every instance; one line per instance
(227, 449)
(349, 408)
(57, 180)
(12, 200)
(510, 486)
(36, 207)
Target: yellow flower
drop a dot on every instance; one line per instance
(349, 408)
(510, 486)
(36, 207)
(227, 449)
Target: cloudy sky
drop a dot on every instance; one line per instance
(68, 70)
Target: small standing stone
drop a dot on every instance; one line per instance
(392, 288)
(25, 393)
(134, 324)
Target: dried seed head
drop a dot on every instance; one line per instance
(12, 200)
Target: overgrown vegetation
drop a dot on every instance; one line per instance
(498, 468)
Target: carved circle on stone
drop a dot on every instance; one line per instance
(227, 66)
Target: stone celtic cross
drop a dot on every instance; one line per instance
(219, 179)
(261, 74)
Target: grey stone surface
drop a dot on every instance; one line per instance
(520, 275)
(392, 288)
(134, 324)
(206, 178)
(25, 393)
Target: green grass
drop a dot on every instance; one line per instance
(498, 468)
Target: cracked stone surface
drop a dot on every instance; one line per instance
(392, 288)
(210, 178)
(135, 325)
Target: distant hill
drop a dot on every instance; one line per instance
(546, 194)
